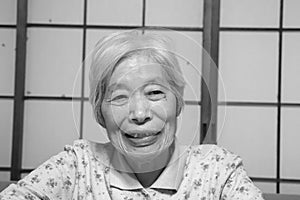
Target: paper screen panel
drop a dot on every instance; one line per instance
(290, 188)
(290, 137)
(6, 124)
(266, 187)
(7, 61)
(4, 176)
(55, 11)
(290, 67)
(291, 13)
(8, 12)
(250, 132)
(249, 13)
(114, 12)
(248, 66)
(53, 62)
(48, 127)
(174, 13)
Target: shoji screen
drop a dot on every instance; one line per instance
(290, 113)
(259, 45)
(54, 55)
(7, 68)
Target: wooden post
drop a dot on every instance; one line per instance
(18, 118)
(209, 83)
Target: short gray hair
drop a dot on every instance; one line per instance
(114, 48)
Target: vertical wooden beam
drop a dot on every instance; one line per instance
(209, 83)
(279, 95)
(144, 13)
(16, 158)
(85, 4)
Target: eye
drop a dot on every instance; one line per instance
(155, 95)
(118, 99)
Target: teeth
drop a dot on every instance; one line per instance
(137, 135)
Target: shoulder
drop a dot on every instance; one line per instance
(82, 151)
(212, 164)
(83, 145)
(215, 155)
(211, 150)
(89, 148)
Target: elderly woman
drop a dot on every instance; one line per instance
(137, 94)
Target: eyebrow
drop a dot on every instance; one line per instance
(113, 86)
(156, 80)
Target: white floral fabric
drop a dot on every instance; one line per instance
(82, 171)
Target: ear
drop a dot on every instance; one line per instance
(101, 122)
(178, 109)
(100, 118)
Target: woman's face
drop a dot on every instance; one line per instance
(139, 108)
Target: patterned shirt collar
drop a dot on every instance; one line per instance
(169, 179)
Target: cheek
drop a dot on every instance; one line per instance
(114, 116)
(165, 110)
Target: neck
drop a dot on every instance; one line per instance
(148, 178)
(148, 172)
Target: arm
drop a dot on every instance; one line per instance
(54, 179)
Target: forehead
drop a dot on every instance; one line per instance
(138, 70)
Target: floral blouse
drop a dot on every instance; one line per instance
(82, 172)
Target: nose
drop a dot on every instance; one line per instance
(139, 110)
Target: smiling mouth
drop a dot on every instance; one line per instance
(142, 139)
(140, 135)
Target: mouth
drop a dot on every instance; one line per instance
(140, 135)
(142, 139)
